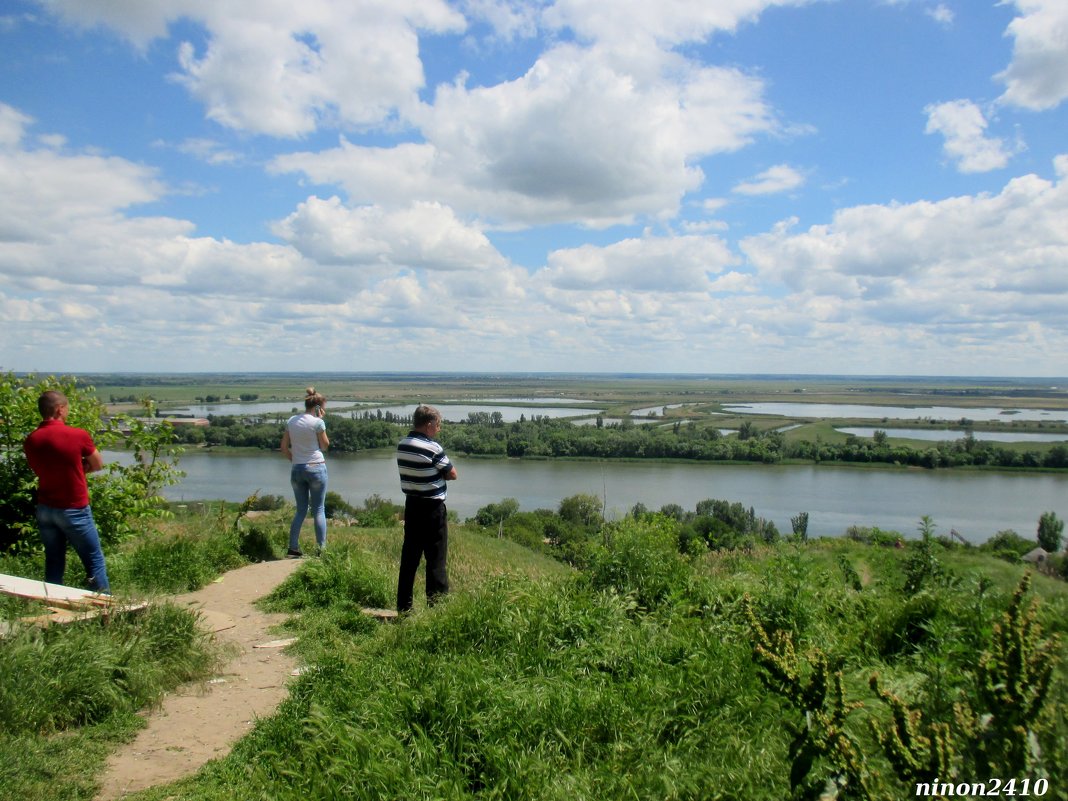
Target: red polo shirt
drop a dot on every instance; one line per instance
(56, 452)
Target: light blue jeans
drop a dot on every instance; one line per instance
(309, 491)
(77, 527)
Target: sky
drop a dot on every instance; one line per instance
(858, 187)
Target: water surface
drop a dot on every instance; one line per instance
(976, 504)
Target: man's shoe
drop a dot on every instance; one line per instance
(294, 554)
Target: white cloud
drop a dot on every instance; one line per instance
(941, 14)
(780, 178)
(209, 151)
(664, 264)
(424, 235)
(963, 125)
(283, 68)
(668, 22)
(1037, 78)
(576, 138)
(966, 263)
(13, 124)
(509, 19)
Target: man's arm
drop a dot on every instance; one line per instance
(93, 462)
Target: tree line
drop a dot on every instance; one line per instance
(486, 434)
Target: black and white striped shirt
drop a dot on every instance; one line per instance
(423, 465)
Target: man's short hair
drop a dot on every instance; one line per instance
(49, 402)
(424, 414)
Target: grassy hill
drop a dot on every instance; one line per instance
(647, 674)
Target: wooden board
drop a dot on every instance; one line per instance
(52, 594)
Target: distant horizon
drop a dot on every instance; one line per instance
(546, 373)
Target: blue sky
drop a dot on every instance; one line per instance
(739, 186)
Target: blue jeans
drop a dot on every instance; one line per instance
(309, 491)
(77, 527)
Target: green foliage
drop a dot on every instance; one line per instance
(1008, 545)
(582, 510)
(995, 729)
(495, 514)
(267, 503)
(875, 536)
(640, 559)
(799, 524)
(180, 562)
(923, 567)
(377, 512)
(917, 749)
(817, 696)
(336, 506)
(1050, 530)
(122, 496)
(1013, 679)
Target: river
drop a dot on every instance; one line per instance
(975, 504)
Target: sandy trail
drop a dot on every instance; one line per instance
(200, 722)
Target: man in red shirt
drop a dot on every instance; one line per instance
(61, 455)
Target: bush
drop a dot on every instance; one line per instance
(180, 562)
(336, 506)
(640, 558)
(494, 514)
(379, 512)
(1008, 545)
(267, 503)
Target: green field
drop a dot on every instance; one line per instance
(702, 397)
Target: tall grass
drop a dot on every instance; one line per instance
(633, 679)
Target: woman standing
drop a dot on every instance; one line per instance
(303, 444)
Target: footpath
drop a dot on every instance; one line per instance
(201, 721)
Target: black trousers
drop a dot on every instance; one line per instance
(426, 533)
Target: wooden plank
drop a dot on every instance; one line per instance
(53, 594)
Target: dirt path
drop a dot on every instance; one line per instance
(200, 722)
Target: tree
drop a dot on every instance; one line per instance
(122, 494)
(1050, 529)
(582, 509)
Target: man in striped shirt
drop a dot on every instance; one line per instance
(424, 469)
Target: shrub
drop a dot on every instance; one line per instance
(1008, 545)
(267, 503)
(494, 514)
(640, 558)
(336, 506)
